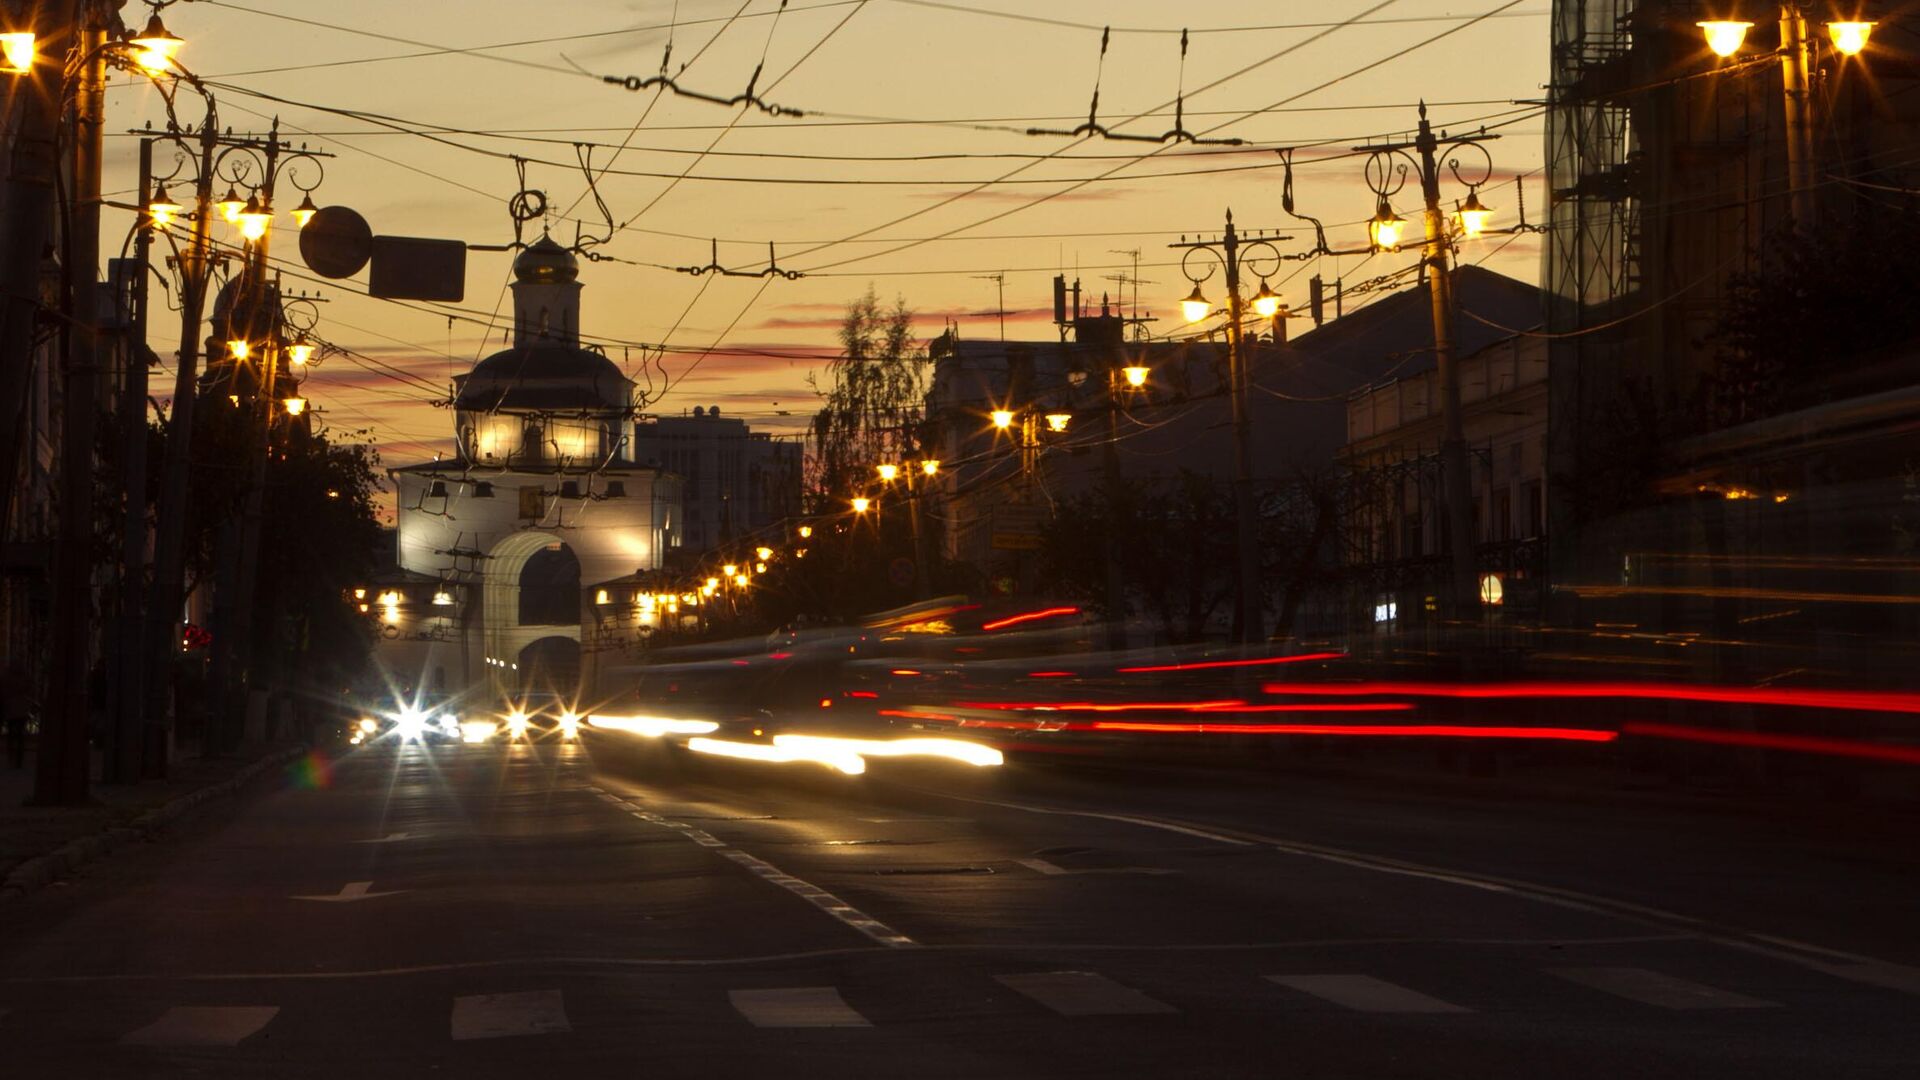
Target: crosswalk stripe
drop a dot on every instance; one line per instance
(1366, 993)
(1654, 988)
(494, 1016)
(1083, 993)
(796, 1006)
(203, 1025)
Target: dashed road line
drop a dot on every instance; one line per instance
(1654, 988)
(497, 1016)
(203, 1025)
(1364, 993)
(1084, 993)
(846, 913)
(796, 1007)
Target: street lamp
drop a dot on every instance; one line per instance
(1266, 302)
(1136, 376)
(156, 48)
(1057, 422)
(930, 467)
(1386, 227)
(763, 553)
(1196, 306)
(1473, 216)
(1850, 38)
(239, 349)
(300, 353)
(295, 405)
(860, 504)
(231, 204)
(730, 569)
(888, 472)
(805, 531)
(1002, 418)
(161, 209)
(305, 211)
(16, 52)
(254, 218)
(1724, 36)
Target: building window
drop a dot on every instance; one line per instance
(1536, 508)
(616, 489)
(483, 489)
(533, 503)
(1503, 514)
(569, 489)
(437, 489)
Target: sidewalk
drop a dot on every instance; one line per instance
(117, 812)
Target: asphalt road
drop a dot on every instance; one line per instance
(485, 911)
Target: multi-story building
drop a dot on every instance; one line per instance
(1394, 527)
(735, 481)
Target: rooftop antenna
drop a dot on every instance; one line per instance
(999, 278)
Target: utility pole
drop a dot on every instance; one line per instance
(1453, 445)
(1247, 614)
(169, 549)
(125, 690)
(1796, 63)
(64, 766)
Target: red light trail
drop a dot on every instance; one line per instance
(1806, 744)
(1858, 700)
(1448, 731)
(1015, 620)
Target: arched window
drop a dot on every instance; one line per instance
(550, 588)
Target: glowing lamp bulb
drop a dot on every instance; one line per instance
(1724, 36)
(888, 472)
(1473, 216)
(1196, 306)
(1386, 227)
(806, 531)
(1266, 302)
(254, 219)
(16, 52)
(763, 553)
(1136, 376)
(930, 467)
(860, 504)
(740, 580)
(1057, 422)
(295, 405)
(1849, 38)
(1002, 419)
(230, 206)
(155, 47)
(713, 583)
(730, 569)
(300, 353)
(162, 210)
(759, 568)
(305, 211)
(239, 348)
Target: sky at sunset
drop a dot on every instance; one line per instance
(910, 170)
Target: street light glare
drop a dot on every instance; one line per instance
(295, 405)
(230, 206)
(1724, 36)
(1266, 302)
(162, 209)
(300, 353)
(1136, 376)
(860, 504)
(888, 472)
(1473, 216)
(1057, 422)
(1196, 306)
(239, 348)
(16, 49)
(1850, 38)
(930, 467)
(1002, 419)
(806, 531)
(254, 219)
(1386, 226)
(156, 47)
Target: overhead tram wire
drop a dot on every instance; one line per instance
(1075, 186)
(1156, 151)
(1043, 20)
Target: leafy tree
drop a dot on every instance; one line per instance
(874, 402)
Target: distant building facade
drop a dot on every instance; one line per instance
(735, 480)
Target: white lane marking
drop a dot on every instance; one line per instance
(351, 891)
(495, 1016)
(1083, 993)
(1127, 819)
(1366, 993)
(392, 838)
(203, 1025)
(1653, 988)
(1852, 966)
(812, 894)
(643, 962)
(1042, 866)
(796, 1006)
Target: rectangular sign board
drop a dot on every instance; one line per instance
(416, 268)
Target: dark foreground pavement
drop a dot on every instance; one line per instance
(485, 911)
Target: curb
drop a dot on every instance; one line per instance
(42, 870)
